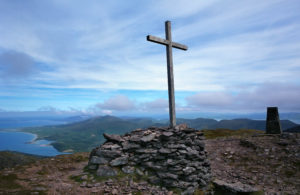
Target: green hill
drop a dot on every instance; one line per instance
(84, 135)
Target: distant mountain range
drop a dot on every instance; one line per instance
(234, 124)
(295, 129)
(9, 120)
(85, 135)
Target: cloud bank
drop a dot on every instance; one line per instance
(62, 50)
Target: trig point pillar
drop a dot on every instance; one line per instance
(273, 122)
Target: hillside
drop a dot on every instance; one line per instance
(84, 135)
(10, 159)
(243, 158)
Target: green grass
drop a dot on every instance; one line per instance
(213, 134)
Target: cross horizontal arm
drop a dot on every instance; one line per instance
(166, 42)
(179, 46)
(157, 40)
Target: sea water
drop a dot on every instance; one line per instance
(24, 142)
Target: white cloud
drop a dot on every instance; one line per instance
(117, 103)
(155, 105)
(210, 99)
(282, 95)
(107, 112)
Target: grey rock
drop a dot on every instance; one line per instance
(188, 130)
(153, 166)
(202, 182)
(147, 151)
(113, 138)
(39, 189)
(108, 153)
(98, 160)
(110, 146)
(123, 160)
(175, 146)
(189, 142)
(197, 165)
(175, 168)
(84, 177)
(183, 184)
(92, 167)
(182, 151)
(128, 169)
(170, 182)
(167, 175)
(188, 170)
(154, 180)
(206, 177)
(106, 171)
(166, 135)
(172, 162)
(135, 138)
(191, 151)
(139, 172)
(143, 156)
(148, 138)
(189, 191)
(127, 145)
(199, 143)
(192, 178)
(159, 157)
(180, 127)
(164, 151)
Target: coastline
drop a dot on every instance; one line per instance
(45, 146)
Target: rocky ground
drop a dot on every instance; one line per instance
(268, 163)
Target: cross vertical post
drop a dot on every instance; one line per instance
(169, 44)
(172, 113)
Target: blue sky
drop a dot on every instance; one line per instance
(92, 56)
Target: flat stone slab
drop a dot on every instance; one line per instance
(98, 160)
(113, 138)
(234, 188)
(106, 171)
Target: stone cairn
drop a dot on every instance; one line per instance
(174, 158)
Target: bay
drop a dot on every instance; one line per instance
(24, 142)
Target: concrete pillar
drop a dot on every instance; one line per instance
(273, 122)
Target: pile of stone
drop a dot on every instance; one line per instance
(173, 157)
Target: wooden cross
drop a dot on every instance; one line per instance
(169, 44)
